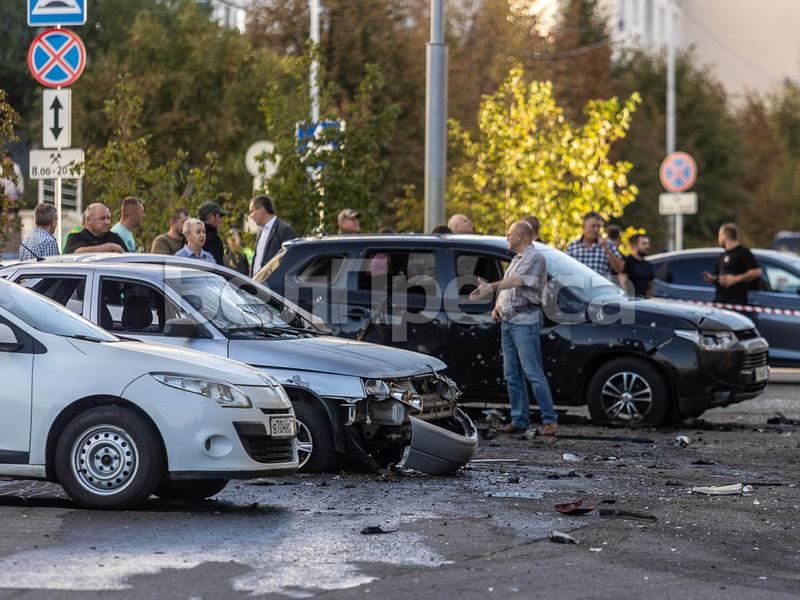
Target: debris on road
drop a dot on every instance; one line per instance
(681, 441)
(574, 508)
(515, 494)
(559, 537)
(569, 457)
(376, 530)
(735, 489)
(626, 514)
(781, 419)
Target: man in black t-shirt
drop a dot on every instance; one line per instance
(737, 270)
(637, 269)
(96, 236)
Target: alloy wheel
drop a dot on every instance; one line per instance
(305, 443)
(626, 397)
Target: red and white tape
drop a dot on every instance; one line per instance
(788, 312)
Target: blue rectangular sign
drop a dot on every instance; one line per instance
(56, 12)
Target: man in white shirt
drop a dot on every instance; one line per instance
(273, 231)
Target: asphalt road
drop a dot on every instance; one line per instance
(302, 536)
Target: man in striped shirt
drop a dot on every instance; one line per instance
(40, 242)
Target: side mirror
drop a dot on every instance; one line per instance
(8, 339)
(181, 327)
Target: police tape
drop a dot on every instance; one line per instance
(788, 312)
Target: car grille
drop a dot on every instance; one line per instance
(284, 412)
(262, 448)
(754, 360)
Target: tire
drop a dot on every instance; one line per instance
(109, 457)
(315, 446)
(187, 491)
(629, 391)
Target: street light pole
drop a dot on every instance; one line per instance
(676, 222)
(313, 9)
(435, 119)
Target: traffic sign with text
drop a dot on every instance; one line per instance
(678, 172)
(56, 164)
(57, 130)
(56, 12)
(677, 204)
(56, 58)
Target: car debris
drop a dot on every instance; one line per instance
(559, 537)
(781, 419)
(681, 441)
(376, 530)
(576, 507)
(735, 489)
(569, 457)
(515, 494)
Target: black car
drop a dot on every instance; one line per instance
(629, 360)
(774, 307)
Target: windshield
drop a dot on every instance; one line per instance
(235, 305)
(48, 316)
(567, 273)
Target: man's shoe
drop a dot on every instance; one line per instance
(511, 428)
(549, 429)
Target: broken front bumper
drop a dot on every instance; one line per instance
(441, 450)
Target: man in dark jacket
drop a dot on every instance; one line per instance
(273, 231)
(211, 214)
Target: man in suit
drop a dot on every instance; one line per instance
(273, 231)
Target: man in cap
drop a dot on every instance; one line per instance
(211, 214)
(348, 221)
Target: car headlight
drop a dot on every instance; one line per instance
(376, 388)
(276, 386)
(709, 340)
(224, 394)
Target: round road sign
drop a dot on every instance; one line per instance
(255, 167)
(678, 172)
(56, 58)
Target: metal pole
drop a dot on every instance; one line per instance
(676, 239)
(58, 212)
(313, 9)
(435, 119)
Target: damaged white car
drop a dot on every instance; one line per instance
(369, 403)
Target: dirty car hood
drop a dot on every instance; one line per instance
(334, 355)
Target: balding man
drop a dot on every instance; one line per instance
(519, 308)
(459, 223)
(96, 236)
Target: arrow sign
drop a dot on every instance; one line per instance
(57, 106)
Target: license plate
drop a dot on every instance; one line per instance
(281, 427)
(761, 373)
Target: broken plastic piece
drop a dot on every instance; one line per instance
(574, 508)
(376, 530)
(559, 537)
(681, 441)
(735, 489)
(515, 494)
(569, 457)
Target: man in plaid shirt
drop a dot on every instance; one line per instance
(40, 242)
(593, 251)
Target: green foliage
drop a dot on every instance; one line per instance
(124, 167)
(529, 159)
(354, 158)
(8, 120)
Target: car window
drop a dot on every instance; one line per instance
(135, 307)
(66, 290)
(471, 267)
(689, 270)
(780, 279)
(382, 266)
(322, 269)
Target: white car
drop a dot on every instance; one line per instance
(114, 421)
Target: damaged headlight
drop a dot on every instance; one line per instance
(376, 388)
(709, 340)
(224, 394)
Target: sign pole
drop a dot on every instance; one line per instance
(676, 222)
(435, 119)
(58, 212)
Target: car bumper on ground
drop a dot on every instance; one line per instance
(440, 451)
(206, 441)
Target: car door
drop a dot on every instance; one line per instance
(139, 309)
(65, 287)
(16, 373)
(681, 277)
(776, 312)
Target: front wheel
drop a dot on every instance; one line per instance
(109, 457)
(315, 447)
(628, 391)
(187, 491)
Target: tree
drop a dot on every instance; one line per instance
(528, 158)
(8, 120)
(350, 163)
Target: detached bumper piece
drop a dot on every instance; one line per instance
(441, 450)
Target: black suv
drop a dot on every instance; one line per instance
(630, 361)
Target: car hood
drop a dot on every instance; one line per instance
(334, 355)
(141, 358)
(702, 317)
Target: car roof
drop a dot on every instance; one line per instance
(141, 268)
(758, 252)
(447, 239)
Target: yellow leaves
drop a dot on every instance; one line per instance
(529, 159)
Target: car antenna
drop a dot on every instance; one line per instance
(36, 256)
